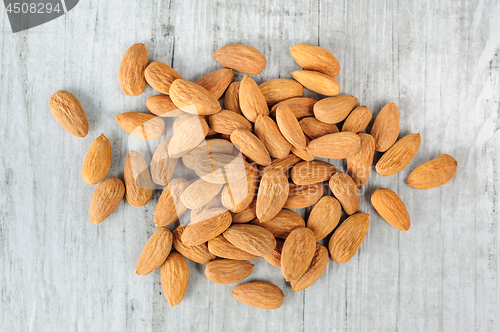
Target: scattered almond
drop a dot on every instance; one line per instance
(434, 173)
(198, 254)
(252, 101)
(242, 58)
(274, 258)
(280, 89)
(189, 132)
(161, 76)
(105, 199)
(174, 278)
(225, 122)
(312, 172)
(221, 247)
(359, 165)
(155, 252)
(290, 127)
(214, 145)
(141, 125)
(283, 223)
(311, 57)
(259, 294)
(253, 239)
(227, 271)
(399, 155)
(348, 237)
(346, 191)
(334, 109)
(301, 107)
(216, 82)
(318, 266)
(238, 195)
(313, 128)
(272, 194)
(303, 196)
(68, 111)
(193, 98)
(139, 187)
(199, 193)
(209, 224)
(97, 161)
(358, 120)
(317, 82)
(162, 105)
(169, 207)
(131, 74)
(251, 146)
(268, 132)
(385, 129)
(162, 166)
(298, 252)
(324, 217)
(391, 208)
(231, 97)
(335, 146)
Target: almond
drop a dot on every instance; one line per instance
(251, 146)
(189, 132)
(216, 82)
(246, 215)
(141, 125)
(105, 199)
(301, 107)
(274, 258)
(316, 58)
(174, 278)
(221, 168)
(232, 98)
(345, 190)
(391, 208)
(131, 73)
(318, 266)
(348, 237)
(290, 127)
(298, 252)
(399, 155)
(193, 98)
(359, 165)
(280, 89)
(303, 196)
(68, 111)
(317, 82)
(155, 252)
(385, 129)
(358, 120)
(283, 223)
(272, 194)
(335, 109)
(259, 294)
(335, 146)
(199, 193)
(215, 145)
(251, 238)
(163, 106)
(303, 153)
(252, 101)
(221, 247)
(161, 76)
(214, 203)
(97, 161)
(238, 195)
(162, 166)
(209, 224)
(227, 271)
(324, 217)
(313, 128)
(169, 207)
(242, 58)
(225, 122)
(283, 165)
(198, 254)
(434, 173)
(268, 132)
(139, 187)
(312, 172)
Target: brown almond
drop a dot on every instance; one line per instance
(359, 165)
(242, 58)
(174, 278)
(303, 196)
(283, 223)
(335, 146)
(209, 224)
(301, 107)
(358, 120)
(298, 252)
(290, 127)
(280, 89)
(161, 76)
(238, 195)
(251, 146)
(251, 238)
(274, 258)
(228, 271)
(162, 105)
(155, 252)
(312, 172)
(252, 101)
(313, 128)
(232, 98)
(162, 166)
(318, 266)
(434, 173)
(221, 168)
(348, 237)
(335, 109)
(198, 254)
(193, 98)
(188, 134)
(221, 247)
(139, 187)
(214, 145)
(385, 129)
(268, 132)
(282, 165)
(311, 57)
(214, 203)
(141, 125)
(216, 82)
(169, 207)
(317, 82)
(272, 194)
(225, 122)
(259, 294)
(131, 73)
(68, 111)
(346, 191)
(324, 217)
(97, 161)
(246, 215)
(303, 153)
(105, 199)
(199, 193)
(399, 155)
(391, 208)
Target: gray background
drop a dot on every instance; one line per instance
(438, 60)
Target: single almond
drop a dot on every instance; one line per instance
(318, 266)
(399, 155)
(68, 111)
(139, 187)
(97, 161)
(242, 58)
(313, 128)
(272, 194)
(221, 247)
(290, 127)
(391, 208)
(303, 153)
(252, 101)
(228, 271)
(225, 122)
(209, 224)
(346, 191)
(214, 145)
(385, 129)
(298, 252)
(193, 98)
(232, 98)
(282, 165)
(283, 223)
(274, 258)
(169, 207)
(161, 76)
(268, 132)
(303, 196)
(198, 254)
(251, 238)
(162, 105)
(359, 165)
(162, 166)
(141, 125)
(312, 172)
(280, 89)
(246, 215)
(174, 278)
(434, 173)
(317, 82)
(324, 217)
(316, 58)
(105, 199)
(216, 82)
(335, 109)
(199, 193)
(131, 73)
(188, 134)
(358, 120)
(221, 168)
(335, 146)
(238, 195)
(348, 237)
(155, 252)
(301, 107)
(251, 146)
(259, 294)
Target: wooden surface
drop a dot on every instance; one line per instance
(438, 60)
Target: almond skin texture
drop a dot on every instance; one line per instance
(303, 153)
(312, 172)
(301, 107)
(169, 207)
(193, 98)
(272, 194)
(334, 109)
(324, 217)
(209, 224)
(345, 190)
(97, 161)
(335, 146)
(259, 294)
(198, 254)
(274, 258)
(283, 223)
(253, 239)
(359, 165)
(358, 120)
(68, 111)
(131, 74)
(399, 155)
(282, 165)
(385, 129)
(232, 97)
(105, 199)
(237, 196)
(139, 187)
(311, 57)
(188, 134)
(318, 266)
(162, 166)
(280, 89)
(391, 208)
(155, 252)
(199, 193)
(225, 122)
(252, 101)
(242, 58)
(348, 237)
(268, 132)
(174, 278)
(163, 106)
(226, 271)
(434, 173)
(216, 82)
(317, 82)
(313, 128)
(251, 146)
(298, 252)
(290, 127)
(221, 168)
(161, 76)
(141, 125)
(215, 145)
(221, 247)
(303, 196)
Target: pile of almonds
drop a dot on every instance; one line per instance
(255, 160)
